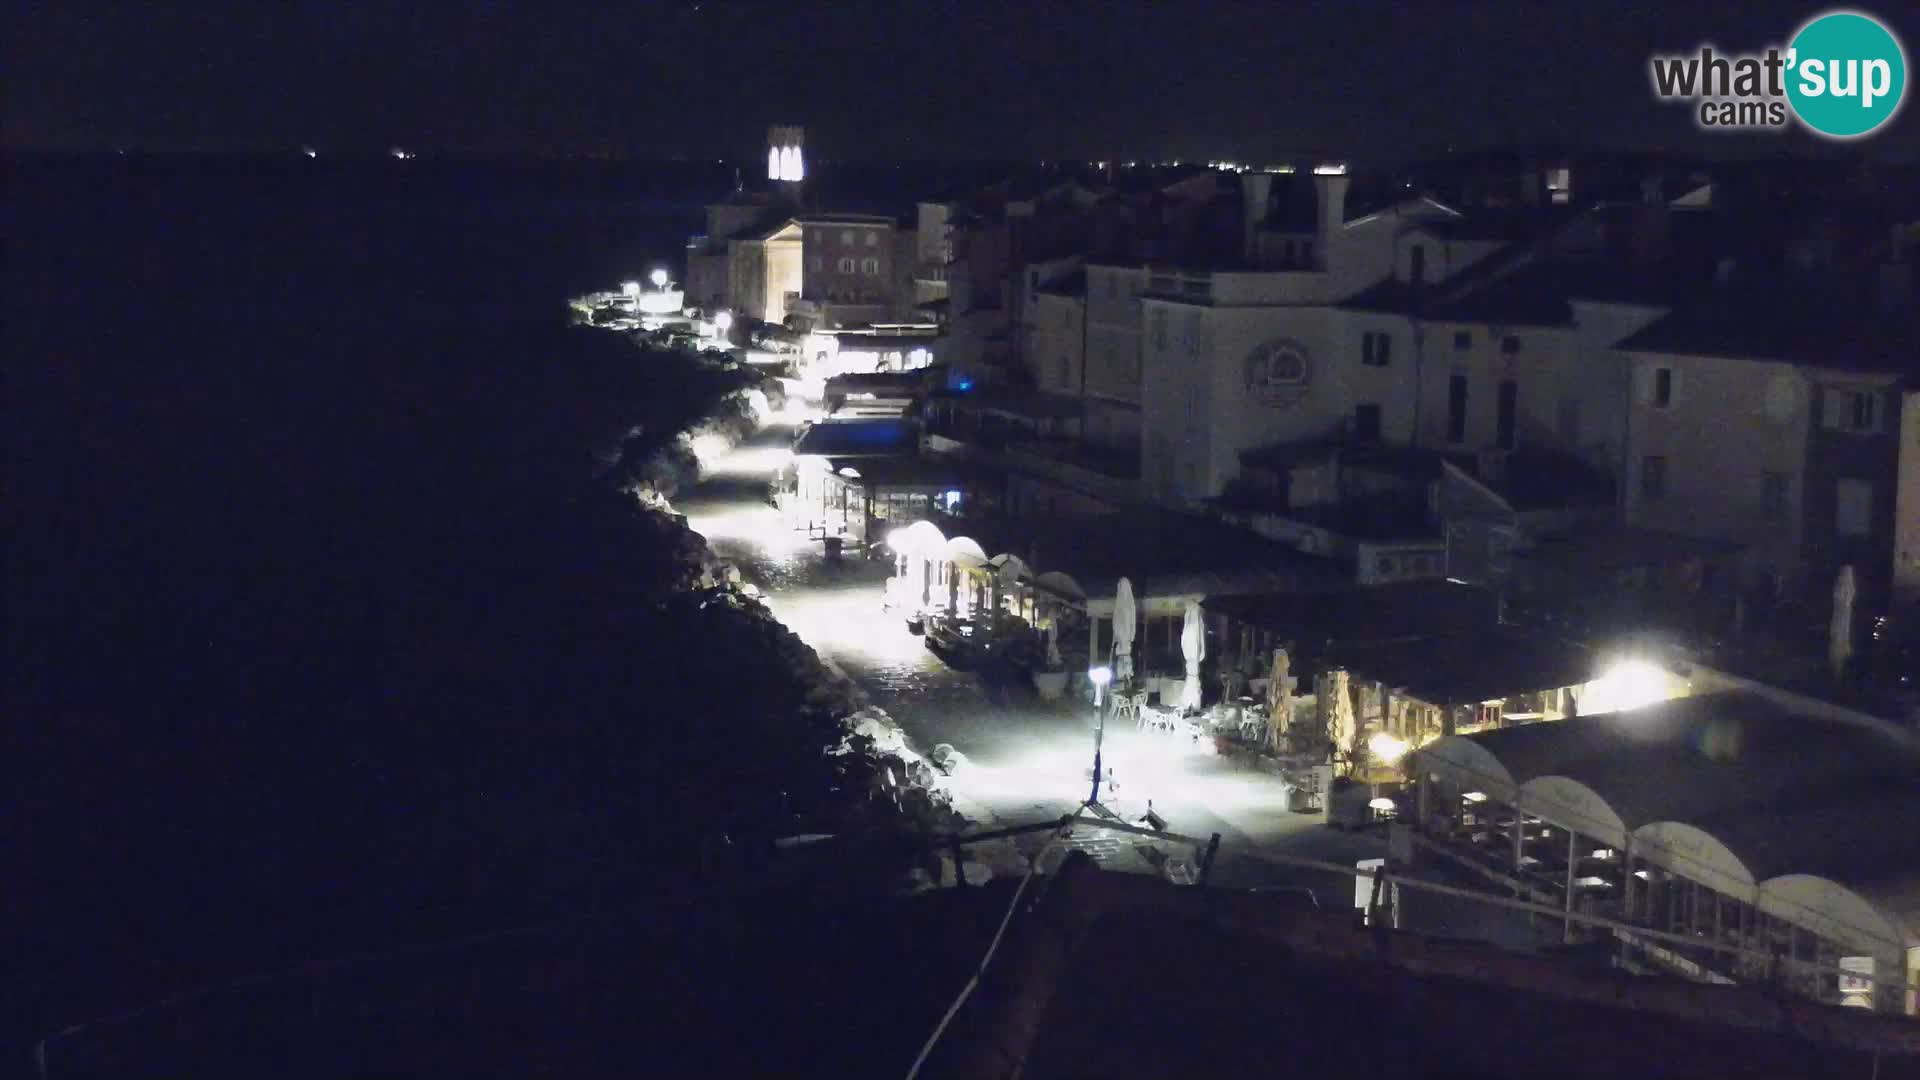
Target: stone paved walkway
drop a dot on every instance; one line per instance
(1027, 760)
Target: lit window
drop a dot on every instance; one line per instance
(870, 267)
(846, 266)
(873, 238)
(846, 237)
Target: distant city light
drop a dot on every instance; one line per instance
(310, 151)
(1333, 169)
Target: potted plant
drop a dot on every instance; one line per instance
(1050, 678)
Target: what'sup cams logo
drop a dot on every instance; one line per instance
(1843, 75)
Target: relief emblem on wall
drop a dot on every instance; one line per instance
(1278, 373)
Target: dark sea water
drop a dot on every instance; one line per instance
(269, 434)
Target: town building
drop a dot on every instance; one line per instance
(1768, 412)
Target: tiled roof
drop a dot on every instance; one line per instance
(1513, 288)
(843, 219)
(1827, 322)
(857, 438)
(1074, 284)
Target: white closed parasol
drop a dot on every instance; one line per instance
(1193, 646)
(1123, 619)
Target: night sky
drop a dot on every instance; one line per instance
(892, 80)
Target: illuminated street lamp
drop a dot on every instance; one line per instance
(722, 322)
(1099, 677)
(659, 278)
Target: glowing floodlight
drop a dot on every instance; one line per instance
(1099, 677)
(1385, 748)
(1627, 685)
(659, 278)
(723, 321)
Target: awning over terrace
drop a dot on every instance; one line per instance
(1814, 822)
(1169, 557)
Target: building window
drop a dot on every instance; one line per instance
(1376, 349)
(873, 238)
(1853, 509)
(846, 237)
(1851, 410)
(817, 264)
(1653, 478)
(1065, 369)
(1773, 496)
(1457, 408)
(870, 267)
(846, 266)
(1160, 329)
(1463, 339)
(1366, 423)
(1559, 186)
(1510, 345)
(1417, 264)
(1507, 418)
(1662, 388)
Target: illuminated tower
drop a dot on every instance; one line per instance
(786, 164)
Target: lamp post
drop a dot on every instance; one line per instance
(1100, 677)
(659, 279)
(723, 322)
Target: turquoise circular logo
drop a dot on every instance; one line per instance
(1847, 74)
